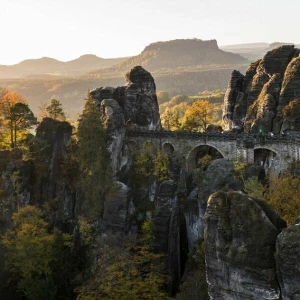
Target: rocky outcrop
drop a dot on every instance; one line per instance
(232, 101)
(134, 107)
(288, 263)
(219, 175)
(53, 136)
(165, 199)
(194, 219)
(168, 236)
(137, 100)
(113, 121)
(118, 208)
(140, 106)
(240, 237)
(262, 112)
(255, 102)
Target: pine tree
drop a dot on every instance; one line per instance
(21, 118)
(93, 158)
(55, 111)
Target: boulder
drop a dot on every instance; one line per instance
(288, 263)
(240, 236)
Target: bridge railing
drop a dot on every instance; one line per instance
(250, 138)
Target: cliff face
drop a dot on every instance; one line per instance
(287, 259)
(240, 238)
(257, 100)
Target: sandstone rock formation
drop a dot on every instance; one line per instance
(167, 232)
(114, 123)
(137, 99)
(288, 263)
(194, 219)
(240, 237)
(54, 135)
(133, 106)
(118, 208)
(220, 174)
(255, 101)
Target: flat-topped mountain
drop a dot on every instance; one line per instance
(178, 54)
(50, 66)
(183, 67)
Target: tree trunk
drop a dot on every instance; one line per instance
(15, 134)
(11, 135)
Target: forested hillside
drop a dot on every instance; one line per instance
(178, 67)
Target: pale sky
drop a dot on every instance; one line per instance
(66, 29)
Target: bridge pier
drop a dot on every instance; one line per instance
(245, 155)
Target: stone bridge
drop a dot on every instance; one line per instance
(271, 151)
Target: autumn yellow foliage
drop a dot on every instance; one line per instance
(284, 195)
(199, 115)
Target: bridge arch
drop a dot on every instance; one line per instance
(132, 145)
(149, 145)
(200, 151)
(268, 158)
(168, 148)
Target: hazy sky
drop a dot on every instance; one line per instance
(66, 29)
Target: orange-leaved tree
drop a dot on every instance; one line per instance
(199, 115)
(15, 117)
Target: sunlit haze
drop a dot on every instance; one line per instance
(115, 28)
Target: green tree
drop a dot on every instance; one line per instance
(143, 165)
(161, 167)
(205, 161)
(20, 118)
(172, 118)
(128, 269)
(176, 119)
(254, 188)
(93, 158)
(55, 111)
(31, 252)
(167, 119)
(240, 170)
(284, 195)
(194, 285)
